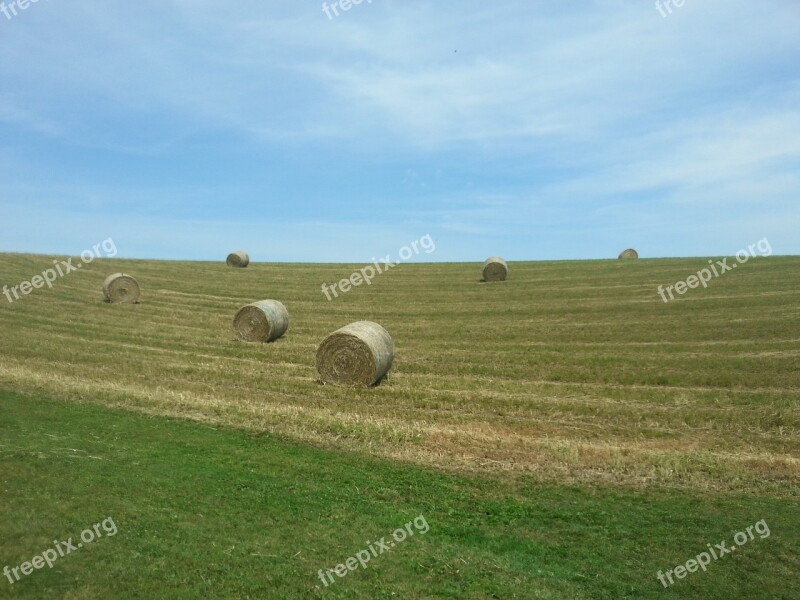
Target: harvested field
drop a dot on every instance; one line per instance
(588, 375)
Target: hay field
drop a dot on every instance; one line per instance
(569, 371)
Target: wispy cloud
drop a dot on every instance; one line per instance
(537, 129)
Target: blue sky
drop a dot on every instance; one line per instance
(185, 129)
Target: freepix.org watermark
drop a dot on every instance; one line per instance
(375, 549)
(702, 560)
(665, 7)
(368, 273)
(718, 268)
(61, 268)
(60, 550)
(332, 10)
(10, 9)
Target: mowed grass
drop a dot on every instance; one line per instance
(209, 512)
(569, 371)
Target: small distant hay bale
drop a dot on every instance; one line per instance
(494, 269)
(359, 354)
(120, 288)
(628, 254)
(263, 321)
(239, 259)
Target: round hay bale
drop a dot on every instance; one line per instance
(263, 321)
(120, 288)
(240, 259)
(494, 269)
(357, 354)
(629, 253)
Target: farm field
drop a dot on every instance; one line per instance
(566, 433)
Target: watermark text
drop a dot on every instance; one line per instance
(10, 10)
(375, 549)
(61, 268)
(665, 7)
(702, 560)
(717, 269)
(60, 549)
(368, 273)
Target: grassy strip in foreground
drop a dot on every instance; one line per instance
(223, 513)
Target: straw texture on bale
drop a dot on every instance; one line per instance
(357, 354)
(240, 259)
(121, 288)
(263, 321)
(629, 253)
(494, 269)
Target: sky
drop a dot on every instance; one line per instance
(533, 130)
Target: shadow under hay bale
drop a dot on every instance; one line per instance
(120, 288)
(239, 259)
(263, 321)
(494, 269)
(628, 254)
(358, 354)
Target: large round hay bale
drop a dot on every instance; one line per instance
(121, 288)
(263, 321)
(240, 259)
(629, 253)
(357, 354)
(494, 269)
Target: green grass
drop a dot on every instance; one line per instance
(203, 512)
(565, 433)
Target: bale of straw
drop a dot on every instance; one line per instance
(263, 321)
(494, 269)
(359, 354)
(629, 253)
(121, 288)
(240, 259)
